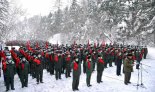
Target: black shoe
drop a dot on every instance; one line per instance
(7, 90)
(89, 85)
(41, 82)
(129, 82)
(76, 89)
(59, 78)
(26, 86)
(37, 82)
(22, 86)
(126, 83)
(13, 89)
(101, 81)
(69, 76)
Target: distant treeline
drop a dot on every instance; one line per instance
(24, 43)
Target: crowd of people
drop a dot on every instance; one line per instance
(64, 59)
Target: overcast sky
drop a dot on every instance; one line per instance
(43, 7)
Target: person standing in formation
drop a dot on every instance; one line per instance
(89, 67)
(24, 69)
(57, 59)
(76, 73)
(100, 69)
(9, 73)
(68, 64)
(119, 63)
(39, 69)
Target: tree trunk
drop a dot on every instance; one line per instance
(138, 40)
(154, 37)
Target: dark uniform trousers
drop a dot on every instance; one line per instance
(127, 77)
(75, 83)
(99, 76)
(88, 79)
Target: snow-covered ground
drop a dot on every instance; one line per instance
(111, 82)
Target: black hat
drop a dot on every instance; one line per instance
(13, 48)
(6, 48)
(74, 57)
(21, 56)
(89, 57)
(129, 54)
(99, 55)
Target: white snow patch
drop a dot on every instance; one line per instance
(55, 39)
(9, 47)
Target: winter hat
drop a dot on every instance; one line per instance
(99, 55)
(129, 54)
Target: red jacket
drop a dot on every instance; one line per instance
(68, 59)
(17, 62)
(37, 61)
(101, 61)
(56, 58)
(75, 66)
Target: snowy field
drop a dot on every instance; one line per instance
(111, 82)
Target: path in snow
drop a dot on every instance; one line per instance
(111, 82)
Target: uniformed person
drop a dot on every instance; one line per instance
(10, 72)
(145, 52)
(89, 67)
(24, 69)
(68, 65)
(119, 63)
(100, 68)
(76, 73)
(51, 66)
(94, 59)
(57, 61)
(39, 69)
(128, 68)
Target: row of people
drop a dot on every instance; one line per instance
(62, 59)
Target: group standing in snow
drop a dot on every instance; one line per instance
(64, 59)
